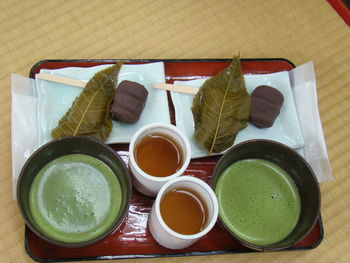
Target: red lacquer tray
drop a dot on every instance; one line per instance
(133, 239)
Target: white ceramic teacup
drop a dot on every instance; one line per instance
(167, 237)
(146, 183)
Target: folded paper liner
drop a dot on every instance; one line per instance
(304, 89)
(25, 131)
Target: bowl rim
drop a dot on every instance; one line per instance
(314, 179)
(110, 230)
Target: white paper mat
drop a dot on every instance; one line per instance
(303, 83)
(24, 125)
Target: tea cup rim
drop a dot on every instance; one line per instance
(187, 153)
(205, 187)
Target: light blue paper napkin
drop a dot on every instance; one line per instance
(286, 128)
(54, 99)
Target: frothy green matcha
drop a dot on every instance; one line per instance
(258, 201)
(75, 198)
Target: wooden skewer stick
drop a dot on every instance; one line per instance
(80, 83)
(177, 88)
(60, 79)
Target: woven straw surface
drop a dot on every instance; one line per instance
(298, 30)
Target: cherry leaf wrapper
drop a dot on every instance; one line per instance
(89, 114)
(221, 108)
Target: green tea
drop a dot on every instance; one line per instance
(258, 201)
(75, 198)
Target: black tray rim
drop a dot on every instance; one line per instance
(181, 254)
(40, 62)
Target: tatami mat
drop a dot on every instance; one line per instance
(298, 30)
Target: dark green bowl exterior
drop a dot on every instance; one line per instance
(299, 170)
(64, 146)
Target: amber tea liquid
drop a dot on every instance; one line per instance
(158, 155)
(184, 211)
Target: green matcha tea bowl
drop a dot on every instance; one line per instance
(74, 191)
(269, 197)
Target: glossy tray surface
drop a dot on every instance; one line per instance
(133, 239)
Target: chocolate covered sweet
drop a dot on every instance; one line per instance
(128, 102)
(266, 103)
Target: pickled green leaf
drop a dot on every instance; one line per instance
(221, 108)
(89, 113)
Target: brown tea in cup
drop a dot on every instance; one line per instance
(158, 155)
(184, 211)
